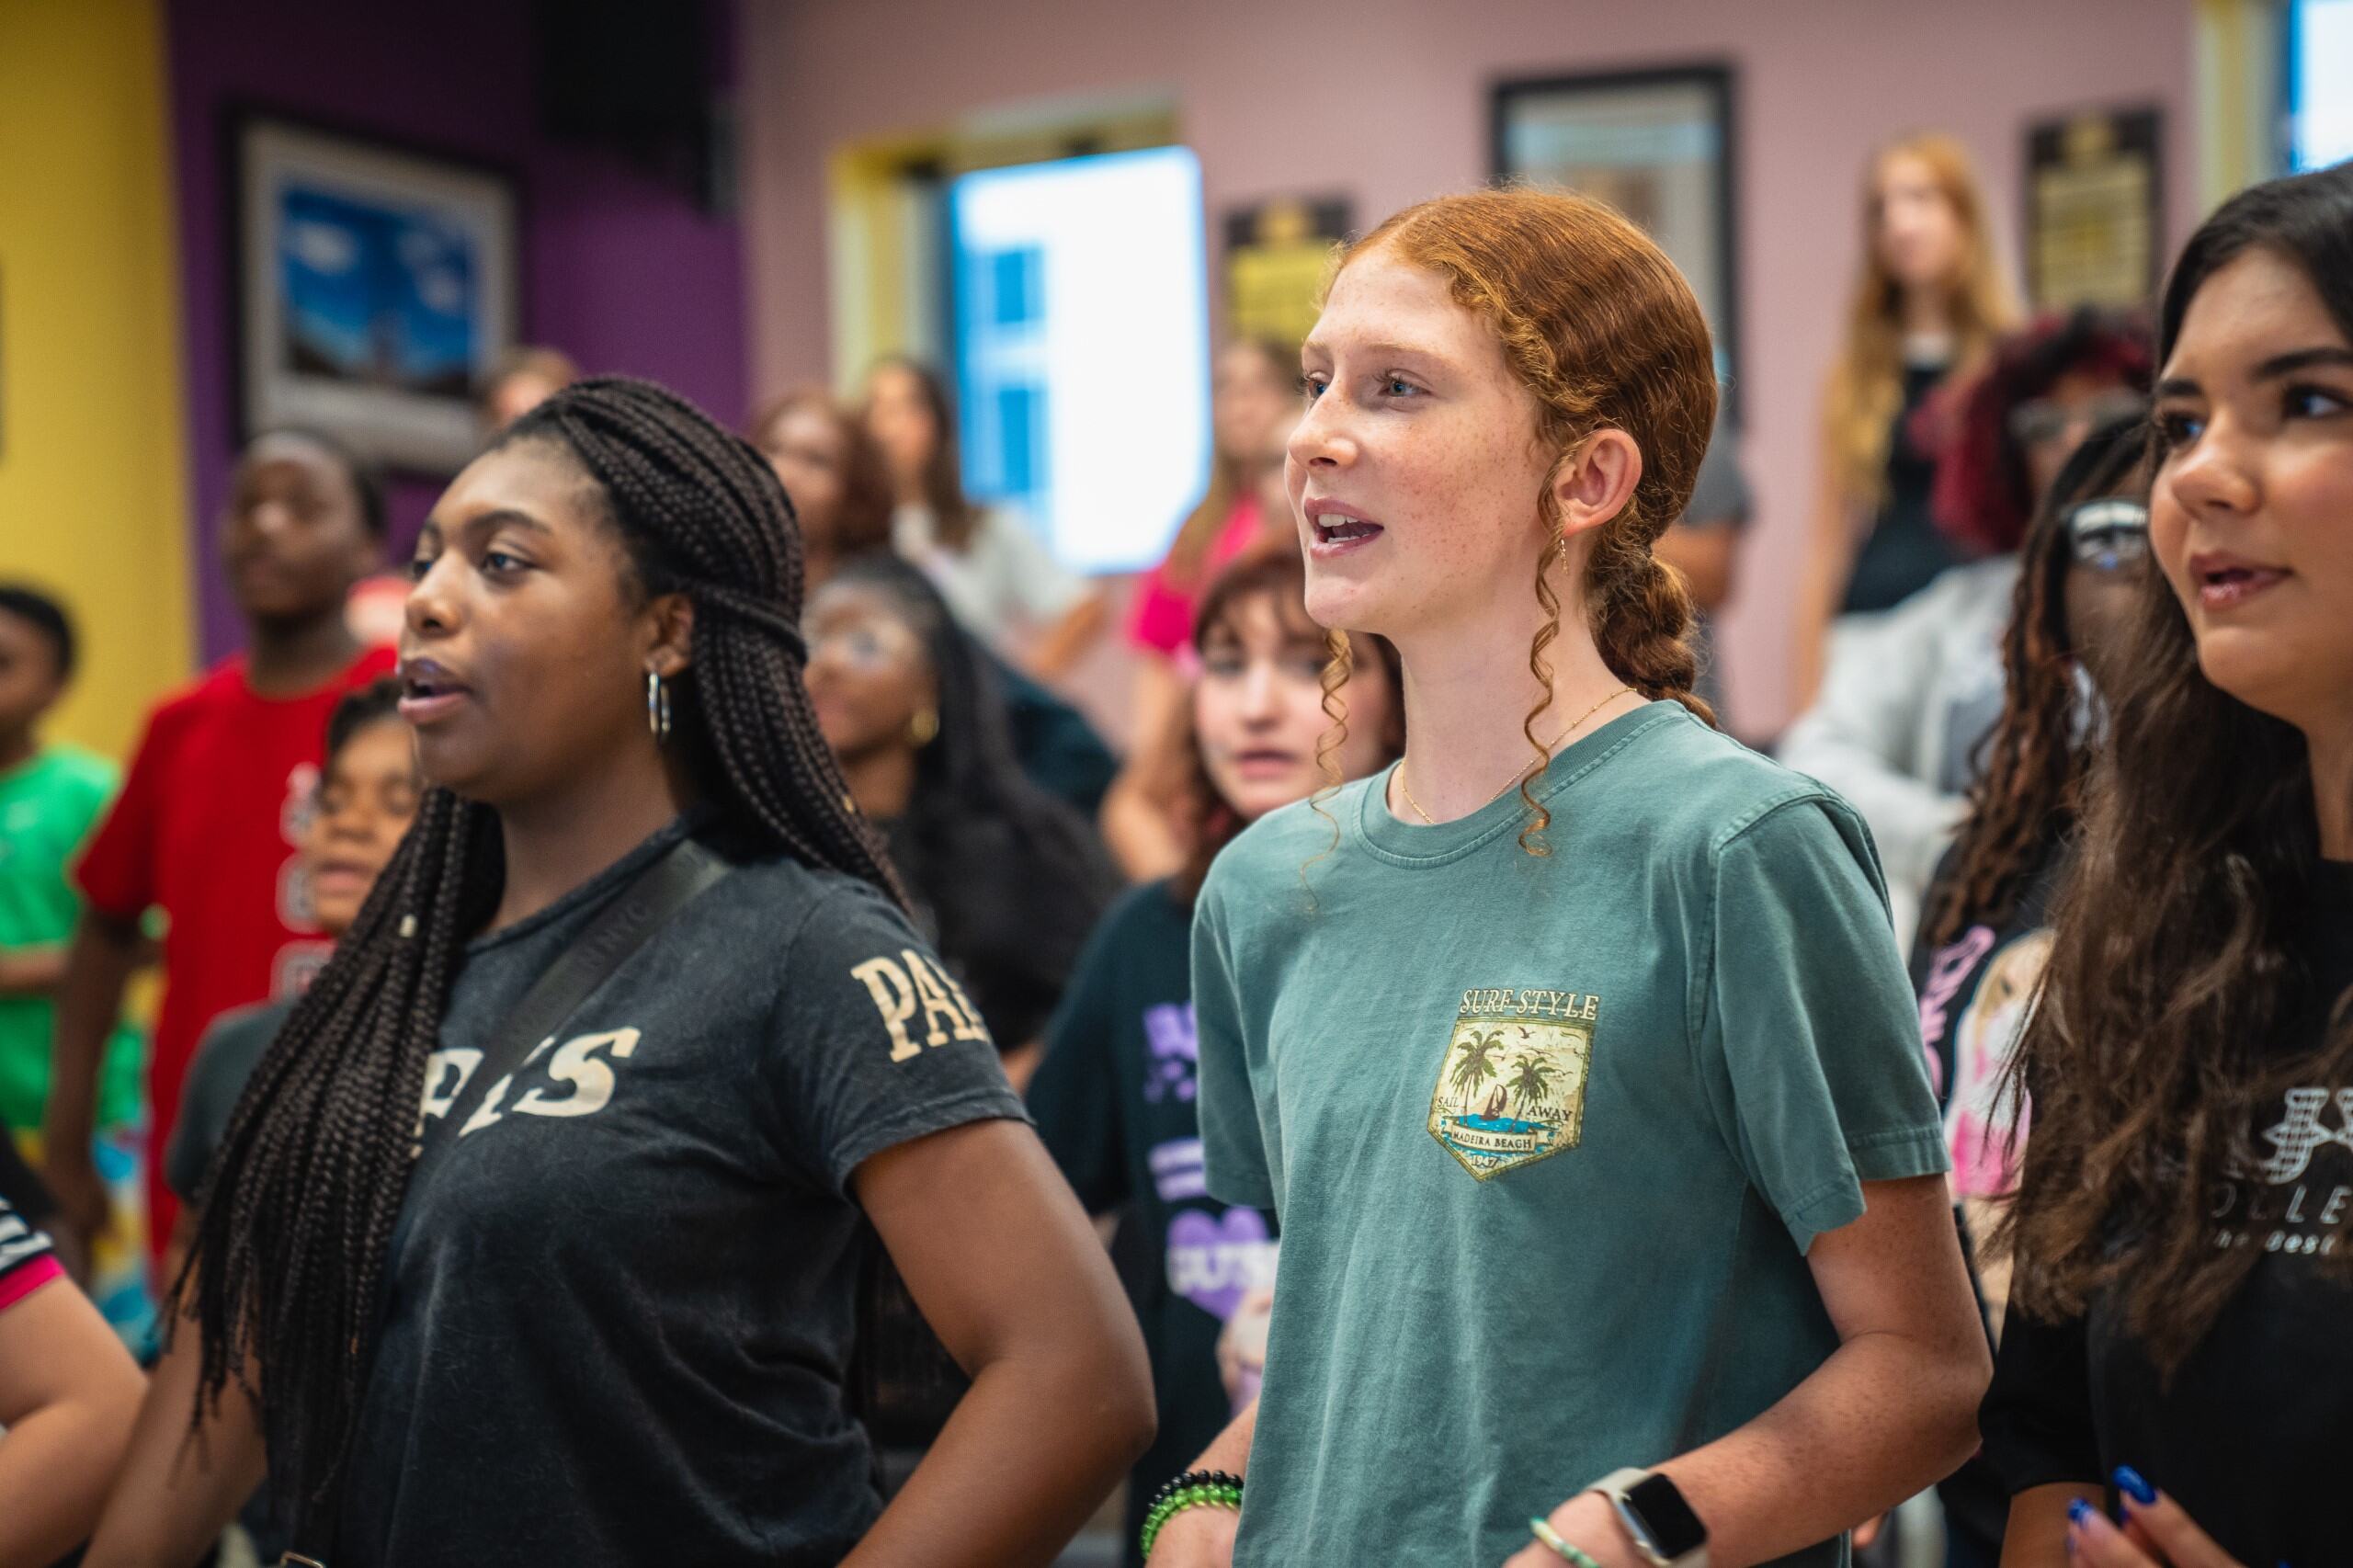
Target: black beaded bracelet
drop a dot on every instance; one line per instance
(1191, 1478)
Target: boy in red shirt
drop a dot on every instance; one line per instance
(207, 824)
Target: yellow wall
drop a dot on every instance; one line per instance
(91, 469)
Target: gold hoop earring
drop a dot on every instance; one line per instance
(924, 728)
(657, 708)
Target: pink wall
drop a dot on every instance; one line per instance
(1388, 100)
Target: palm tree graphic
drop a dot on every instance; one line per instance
(1478, 1064)
(1531, 1080)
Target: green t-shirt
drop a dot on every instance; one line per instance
(1548, 1137)
(48, 807)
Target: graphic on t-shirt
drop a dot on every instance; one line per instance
(1979, 1132)
(2294, 1197)
(1216, 1259)
(1510, 1088)
(902, 984)
(1173, 1054)
(294, 814)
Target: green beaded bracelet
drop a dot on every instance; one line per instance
(1543, 1530)
(1174, 1499)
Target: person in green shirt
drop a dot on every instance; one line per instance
(50, 798)
(1574, 1051)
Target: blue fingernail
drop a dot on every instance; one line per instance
(2130, 1482)
(2077, 1512)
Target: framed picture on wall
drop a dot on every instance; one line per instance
(1656, 144)
(374, 283)
(2094, 215)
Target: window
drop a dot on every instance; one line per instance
(2320, 83)
(1081, 303)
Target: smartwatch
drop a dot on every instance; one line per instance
(1666, 1532)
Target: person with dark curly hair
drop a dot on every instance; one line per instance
(1985, 932)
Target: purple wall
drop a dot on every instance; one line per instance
(620, 271)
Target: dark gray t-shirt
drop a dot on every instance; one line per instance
(224, 1060)
(621, 1297)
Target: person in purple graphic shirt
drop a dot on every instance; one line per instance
(1115, 1097)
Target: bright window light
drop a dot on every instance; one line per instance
(2320, 83)
(1081, 348)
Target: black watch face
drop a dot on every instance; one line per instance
(1674, 1527)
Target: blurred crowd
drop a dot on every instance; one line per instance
(1051, 765)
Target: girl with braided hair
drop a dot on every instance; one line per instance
(604, 1319)
(1581, 1072)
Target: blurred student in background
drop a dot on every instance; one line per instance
(50, 798)
(519, 381)
(840, 487)
(208, 825)
(1114, 1097)
(1254, 404)
(997, 574)
(68, 1393)
(1909, 696)
(2175, 1357)
(837, 478)
(1985, 932)
(1254, 396)
(1927, 307)
(368, 796)
(1006, 880)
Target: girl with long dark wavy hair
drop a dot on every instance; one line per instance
(2177, 1342)
(1981, 948)
(605, 1318)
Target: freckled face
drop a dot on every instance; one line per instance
(1416, 471)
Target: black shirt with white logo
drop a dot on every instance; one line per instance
(620, 1296)
(2252, 1434)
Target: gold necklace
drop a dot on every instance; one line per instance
(1517, 775)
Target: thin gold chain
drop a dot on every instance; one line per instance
(1517, 773)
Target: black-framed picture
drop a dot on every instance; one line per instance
(1656, 144)
(2094, 209)
(374, 283)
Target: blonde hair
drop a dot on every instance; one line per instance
(1866, 388)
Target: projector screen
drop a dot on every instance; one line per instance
(1081, 348)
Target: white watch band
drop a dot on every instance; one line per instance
(1614, 1487)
